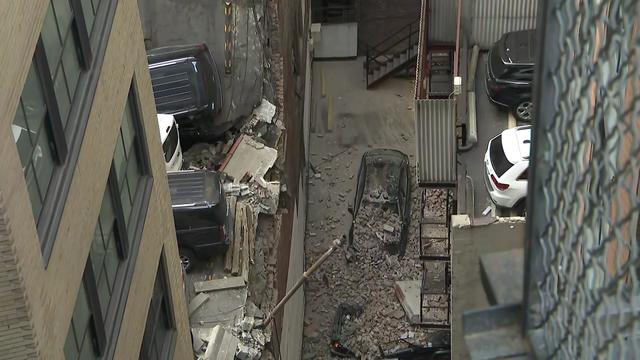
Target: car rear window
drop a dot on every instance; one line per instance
(498, 158)
(170, 144)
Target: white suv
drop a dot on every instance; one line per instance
(507, 163)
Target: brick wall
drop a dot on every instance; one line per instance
(49, 292)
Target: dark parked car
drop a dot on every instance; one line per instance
(383, 180)
(186, 84)
(510, 72)
(200, 214)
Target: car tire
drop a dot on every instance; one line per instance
(187, 258)
(523, 111)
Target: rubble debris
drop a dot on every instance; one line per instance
(247, 353)
(250, 156)
(218, 343)
(388, 228)
(366, 278)
(203, 156)
(252, 339)
(261, 117)
(251, 309)
(344, 313)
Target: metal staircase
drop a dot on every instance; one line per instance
(398, 51)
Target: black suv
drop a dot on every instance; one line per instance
(510, 72)
(186, 84)
(200, 213)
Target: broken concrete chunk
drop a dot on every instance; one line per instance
(247, 324)
(252, 310)
(388, 228)
(247, 353)
(317, 175)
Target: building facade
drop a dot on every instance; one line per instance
(89, 265)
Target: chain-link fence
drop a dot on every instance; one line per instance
(583, 259)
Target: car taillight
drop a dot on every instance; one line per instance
(498, 184)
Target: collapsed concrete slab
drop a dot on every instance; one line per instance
(408, 293)
(248, 158)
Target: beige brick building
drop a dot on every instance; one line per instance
(88, 258)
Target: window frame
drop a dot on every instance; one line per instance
(169, 311)
(105, 329)
(67, 143)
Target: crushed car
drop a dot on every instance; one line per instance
(383, 181)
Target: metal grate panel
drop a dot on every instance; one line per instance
(436, 140)
(492, 18)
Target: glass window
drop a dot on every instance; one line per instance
(34, 141)
(498, 159)
(159, 328)
(127, 164)
(80, 337)
(110, 257)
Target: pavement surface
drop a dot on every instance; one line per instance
(491, 120)
(349, 120)
(170, 22)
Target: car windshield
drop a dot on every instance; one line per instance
(381, 183)
(498, 158)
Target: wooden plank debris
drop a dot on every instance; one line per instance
(228, 259)
(197, 302)
(219, 284)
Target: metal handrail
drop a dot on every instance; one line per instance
(409, 25)
(407, 37)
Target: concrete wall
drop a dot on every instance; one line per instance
(292, 325)
(170, 22)
(336, 41)
(289, 44)
(51, 292)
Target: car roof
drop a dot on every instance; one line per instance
(175, 52)
(165, 123)
(519, 47)
(387, 154)
(194, 188)
(177, 85)
(516, 143)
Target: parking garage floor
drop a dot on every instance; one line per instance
(491, 121)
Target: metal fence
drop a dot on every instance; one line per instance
(583, 260)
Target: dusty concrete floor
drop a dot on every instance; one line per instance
(348, 121)
(492, 120)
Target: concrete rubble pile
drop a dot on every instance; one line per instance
(246, 160)
(243, 340)
(367, 280)
(205, 155)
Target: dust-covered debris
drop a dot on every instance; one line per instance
(367, 281)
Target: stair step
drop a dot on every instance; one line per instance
(502, 273)
(496, 333)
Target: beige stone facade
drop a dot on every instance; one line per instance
(37, 295)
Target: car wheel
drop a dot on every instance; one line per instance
(186, 259)
(524, 110)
